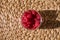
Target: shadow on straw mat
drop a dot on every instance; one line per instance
(49, 19)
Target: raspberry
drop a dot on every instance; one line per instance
(31, 19)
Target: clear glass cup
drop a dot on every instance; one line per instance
(33, 11)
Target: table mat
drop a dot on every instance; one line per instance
(10, 20)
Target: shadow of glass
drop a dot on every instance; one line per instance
(49, 19)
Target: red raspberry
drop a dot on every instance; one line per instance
(31, 19)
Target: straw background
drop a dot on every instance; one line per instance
(10, 17)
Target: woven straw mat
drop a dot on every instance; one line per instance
(10, 20)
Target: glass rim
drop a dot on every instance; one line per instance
(38, 25)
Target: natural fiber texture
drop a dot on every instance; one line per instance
(10, 18)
